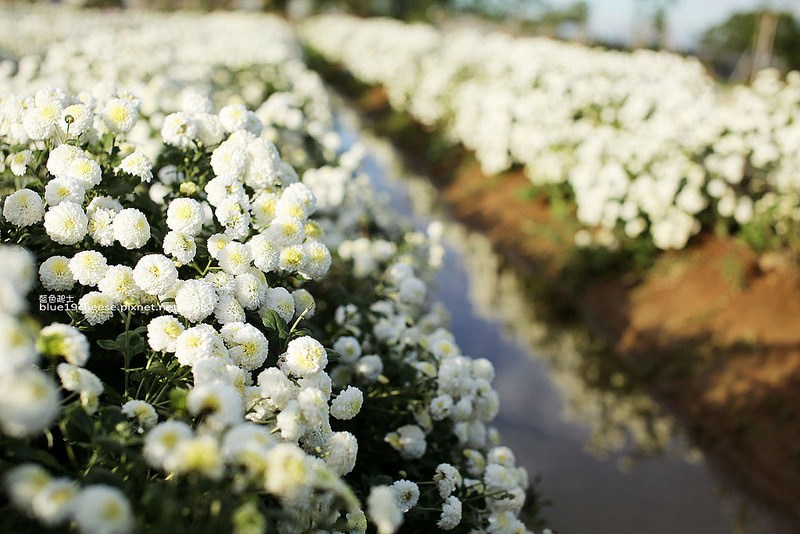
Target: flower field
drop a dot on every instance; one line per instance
(210, 323)
(643, 155)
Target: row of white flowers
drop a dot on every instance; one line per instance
(647, 141)
(206, 316)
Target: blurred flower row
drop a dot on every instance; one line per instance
(646, 142)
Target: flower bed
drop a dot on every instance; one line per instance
(209, 322)
(647, 144)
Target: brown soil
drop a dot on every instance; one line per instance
(713, 331)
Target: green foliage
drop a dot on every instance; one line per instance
(725, 43)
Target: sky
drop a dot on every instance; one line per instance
(615, 19)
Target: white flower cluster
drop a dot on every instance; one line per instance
(198, 218)
(646, 140)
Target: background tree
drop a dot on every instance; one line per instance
(734, 41)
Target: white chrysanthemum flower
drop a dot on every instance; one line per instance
(39, 121)
(66, 223)
(178, 130)
(264, 252)
(447, 479)
(441, 407)
(314, 406)
(233, 117)
(370, 367)
(24, 482)
(17, 344)
(233, 215)
(250, 289)
(235, 258)
(180, 246)
(163, 333)
(60, 159)
(199, 454)
(347, 404)
(64, 340)
(185, 215)
(220, 404)
(349, 348)
(383, 509)
(409, 441)
(100, 508)
(58, 190)
(506, 523)
(412, 291)
(279, 300)
(340, 451)
(451, 514)
(276, 387)
(284, 231)
(229, 309)
(243, 440)
(297, 200)
(85, 171)
(222, 188)
(263, 207)
(155, 274)
(74, 378)
(54, 503)
(247, 346)
(119, 284)
(290, 470)
(209, 129)
(195, 300)
(120, 115)
(318, 260)
(131, 228)
(88, 267)
(162, 440)
(101, 226)
(18, 162)
(229, 158)
(76, 119)
(137, 164)
(96, 307)
(406, 493)
(29, 402)
(142, 411)
(196, 343)
(55, 275)
(23, 208)
(216, 244)
(292, 259)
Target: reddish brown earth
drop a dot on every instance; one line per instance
(712, 331)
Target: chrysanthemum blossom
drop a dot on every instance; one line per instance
(131, 228)
(163, 333)
(347, 404)
(66, 224)
(97, 307)
(383, 509)
(88, 267)
(101, 508)
(185, 215)
(137, 164)
(29, 402)
(195, 300)
(23, 208)
(119, 115)
(305, 356)
(155, 274)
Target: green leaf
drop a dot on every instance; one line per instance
(107, 344)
